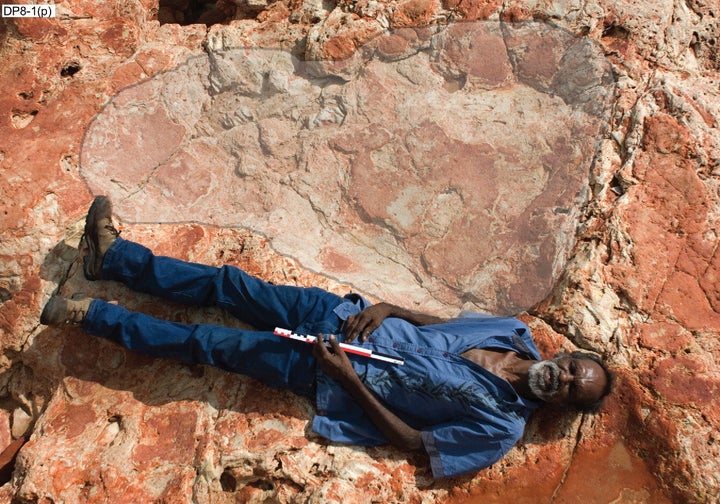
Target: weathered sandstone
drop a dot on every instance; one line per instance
(401, 162)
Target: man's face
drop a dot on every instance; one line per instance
(569, 380)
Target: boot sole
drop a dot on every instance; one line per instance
(52, 307)
(101, 207)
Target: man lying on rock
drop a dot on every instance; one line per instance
(463, 394)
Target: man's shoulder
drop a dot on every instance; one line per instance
(492, 321)
(500, 331)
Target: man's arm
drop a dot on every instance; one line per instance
(370, 319)
(338, 366)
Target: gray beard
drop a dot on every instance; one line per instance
(544, 379)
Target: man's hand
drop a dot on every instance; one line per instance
(336, 364)
(366, 321)
(371, 317)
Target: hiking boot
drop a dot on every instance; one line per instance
(99, 235)
(59, 311)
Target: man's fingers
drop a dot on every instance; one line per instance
(338, 351)
(363, 323)
(360, 327)
(350, 329)
(320, 348)
(369, 326)
(335, 344)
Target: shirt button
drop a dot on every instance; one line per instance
(395, 345)
(371, 339)
(445, 354)
(419, 350)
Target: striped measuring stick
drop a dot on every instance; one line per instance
(365, 352)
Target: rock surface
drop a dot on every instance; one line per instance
(417, 159)
(638, 285)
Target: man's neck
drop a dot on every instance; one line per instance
(506, 365)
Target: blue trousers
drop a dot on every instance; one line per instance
(275, 361)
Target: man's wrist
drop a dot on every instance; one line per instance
(391, 309)
(350, 380)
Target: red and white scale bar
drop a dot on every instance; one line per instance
(287, 333)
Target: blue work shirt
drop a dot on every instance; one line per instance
(468, 417)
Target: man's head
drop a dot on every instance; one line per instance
(578, 379)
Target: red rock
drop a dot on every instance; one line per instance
(682, 298)
(536, 58)
(169, 439)
(119, 39)
(682, 380)
(478, 52)
(472, 10)
(397, 44)
(665, 135)
(607, 473)
(72, 421)
(335, 261)
(414, 13)
(665, 336)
